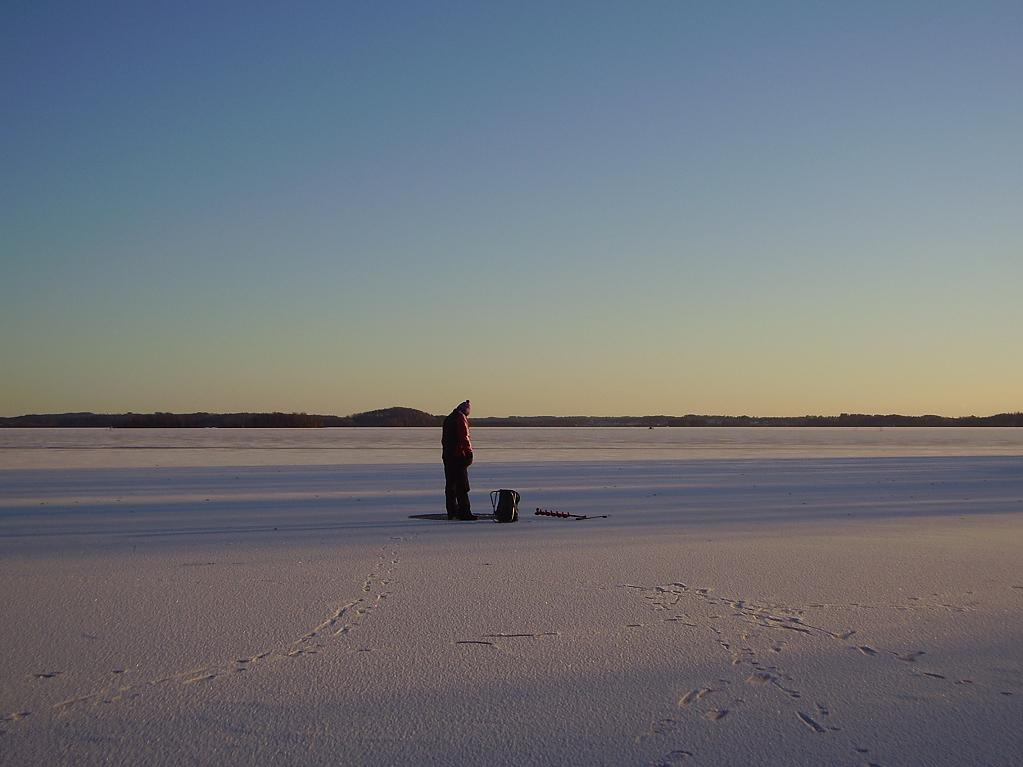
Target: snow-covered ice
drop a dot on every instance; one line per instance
(797, 597)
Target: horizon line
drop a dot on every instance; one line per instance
(510, 416)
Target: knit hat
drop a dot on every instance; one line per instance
(464, 408)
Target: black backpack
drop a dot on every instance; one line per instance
(506, 505)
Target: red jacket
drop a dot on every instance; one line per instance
(455, 441)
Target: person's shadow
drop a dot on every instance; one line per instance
(444, 517)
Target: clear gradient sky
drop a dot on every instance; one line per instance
(550, 208)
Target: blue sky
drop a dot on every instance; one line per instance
(549, 208)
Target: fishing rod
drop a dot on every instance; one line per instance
(565, 515)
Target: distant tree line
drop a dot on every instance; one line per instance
(845, 419)
(403, 416)
(178, 420)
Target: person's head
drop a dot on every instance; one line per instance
(464, 408)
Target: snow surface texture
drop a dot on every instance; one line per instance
(758, 610)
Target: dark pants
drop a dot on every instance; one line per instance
(456, 487)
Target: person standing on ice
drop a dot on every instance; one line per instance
(457, 454)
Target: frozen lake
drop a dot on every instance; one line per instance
(753, 596)
(125, 448)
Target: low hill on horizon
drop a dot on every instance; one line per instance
(411, 417)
